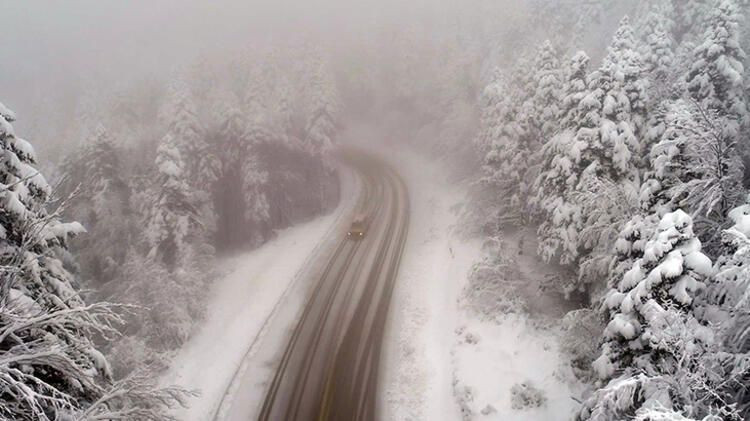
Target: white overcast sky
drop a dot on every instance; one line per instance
(55, 48)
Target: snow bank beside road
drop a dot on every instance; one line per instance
(417, 374)
(244, 302)
(442, 361)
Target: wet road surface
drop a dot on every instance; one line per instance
(328, 369)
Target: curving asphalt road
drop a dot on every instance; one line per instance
(329, 366)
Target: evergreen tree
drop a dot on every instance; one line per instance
(560, 171)
(605, 191)
(35, 285)
(574, 90)
(185, 127)
(321, 123)
(657, 51)
(509, 163)
(240, 175)
(172, 215)
(669, 163)
(693, 167)
(652, 325)
(603, 159)
(654, 12)
(715, 79)
(232, 146)
(50, 368)
(254, 178)
(560, 17)
(521, 88)
(635, 81)
(731, 290)
(615, 110)
(491, 103)
(283, 126)
(94, 174)
(255, 101)
(683, 59)
(546, 95)
(726, 305)
(690, 17)
(506, 162)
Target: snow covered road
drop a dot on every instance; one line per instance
(252, 310)
(330, 366)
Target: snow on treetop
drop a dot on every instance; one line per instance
(64, 230)
(34, 179)
(169, 168)
(673, 228)
(22, 148)
(6, 113)
(6, 129)
(741, 218)
(22, 304)
(672, 255)
(10, 203)
(699, 262)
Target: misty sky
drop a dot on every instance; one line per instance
(55, 52)
(46, 42)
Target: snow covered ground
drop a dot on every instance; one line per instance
(416, 379)
(491, 357)
(265, 287)
(441, 362)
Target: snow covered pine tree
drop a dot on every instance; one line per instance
(658, 360)
(50, 368)
(560, 173)
(172, 216)
(715, 79)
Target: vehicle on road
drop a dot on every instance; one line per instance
(358, 228)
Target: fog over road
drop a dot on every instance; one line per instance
(328, 369)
